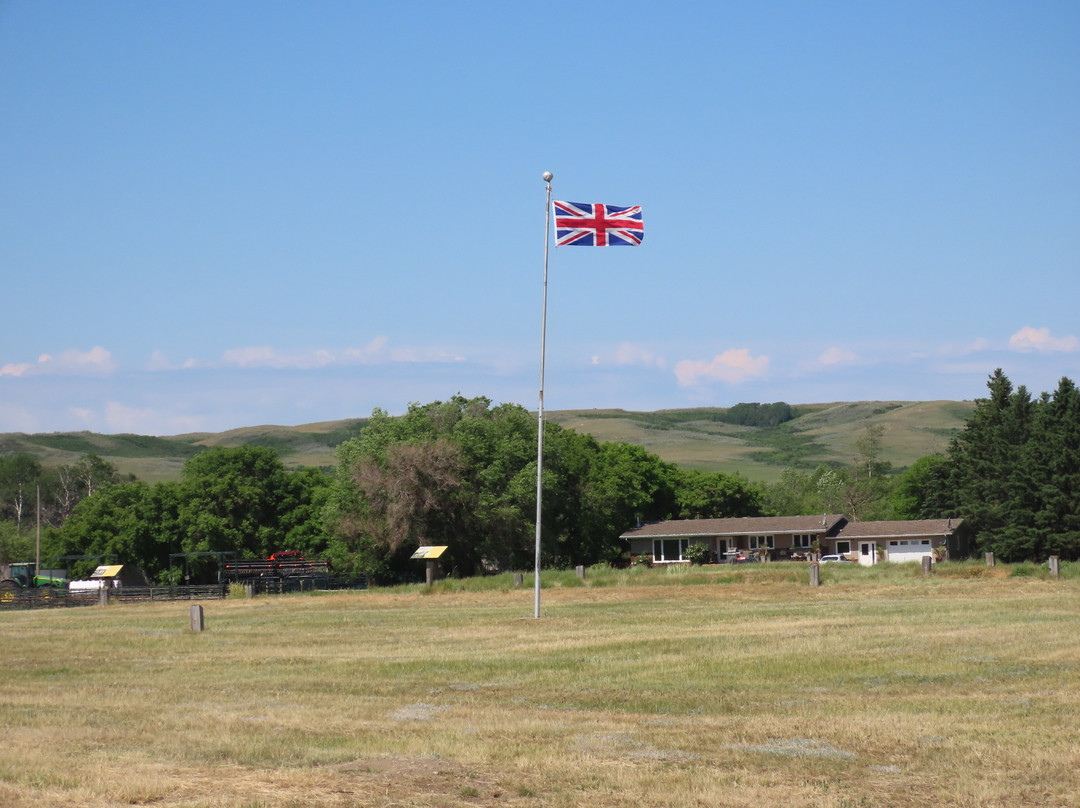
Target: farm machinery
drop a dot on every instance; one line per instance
(281, 567)
(23, 575)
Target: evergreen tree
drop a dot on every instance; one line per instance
(1014, 473)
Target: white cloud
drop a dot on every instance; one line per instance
(267, 357)
(96, 360)
(629, 354)
(377, 351)
(733, 366)
(836, 356)
(1039, 339)
(374, 351)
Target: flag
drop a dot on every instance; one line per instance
(596, 225)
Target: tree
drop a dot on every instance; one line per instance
(114, 522)
(1013, 475)
(18, 476)
(236, 499)
(715, 495)
(445, 473)
(910, 494)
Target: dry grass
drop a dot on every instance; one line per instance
(897, 692)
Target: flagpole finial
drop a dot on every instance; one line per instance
(547, 175)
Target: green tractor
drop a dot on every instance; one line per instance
(25, 575)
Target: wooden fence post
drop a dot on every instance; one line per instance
(1055, 568)
(519, 579)
(926, 562)
(989, 559)
(196, 618)
(815, 574)
(103, 596)
(580, 570)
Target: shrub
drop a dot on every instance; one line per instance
(697, 554)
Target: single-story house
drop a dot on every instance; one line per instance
(795, 537)
(902, 540)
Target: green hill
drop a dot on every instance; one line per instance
(694, 438)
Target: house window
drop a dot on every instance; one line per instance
(843, 547)
(802, 540)
(668, 549)
(761, 542)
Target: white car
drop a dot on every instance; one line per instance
(835, 559)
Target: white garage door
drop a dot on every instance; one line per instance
(909, 549)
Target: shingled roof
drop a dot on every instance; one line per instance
(743, 526)
(899, 530)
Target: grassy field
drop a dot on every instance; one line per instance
(689, 687)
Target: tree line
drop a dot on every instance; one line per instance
(1013, 473)
(462, 473)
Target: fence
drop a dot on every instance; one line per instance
(36, 599)
(59, 599)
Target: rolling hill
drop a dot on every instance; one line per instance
(693, 438)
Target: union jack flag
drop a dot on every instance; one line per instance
(596, 225)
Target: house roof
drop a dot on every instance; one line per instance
(744, 526)
(892, 530)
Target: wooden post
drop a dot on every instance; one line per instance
(580, 570)
(1055, 568)
(429, 573)
(815, 574)
(249, 591)
(103, 596)
(196, 618)
(519, 579)
(989, 559)
(926, 562)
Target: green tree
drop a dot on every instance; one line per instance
(236, 499)
(116, 522)
(18, 476)
(1006, 467)
(911, 492)
(714, 495)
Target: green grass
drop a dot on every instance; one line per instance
(665, 687)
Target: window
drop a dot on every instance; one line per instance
(668, 549)
(802, 540)
(761, 542)
(843, 547)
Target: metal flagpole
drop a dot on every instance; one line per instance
(547, 176)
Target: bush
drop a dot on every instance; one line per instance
(698, 554)
(643, 560)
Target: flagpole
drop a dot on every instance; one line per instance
(547, 176)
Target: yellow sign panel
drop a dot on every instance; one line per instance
(429, 552)
(108, 571)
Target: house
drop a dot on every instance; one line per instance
(902, 540)
(794, 537)
(771, 536)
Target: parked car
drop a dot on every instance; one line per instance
(835, 559)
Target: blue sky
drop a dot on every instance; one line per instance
(222, 214)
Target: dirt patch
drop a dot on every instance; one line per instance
(432, 781)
